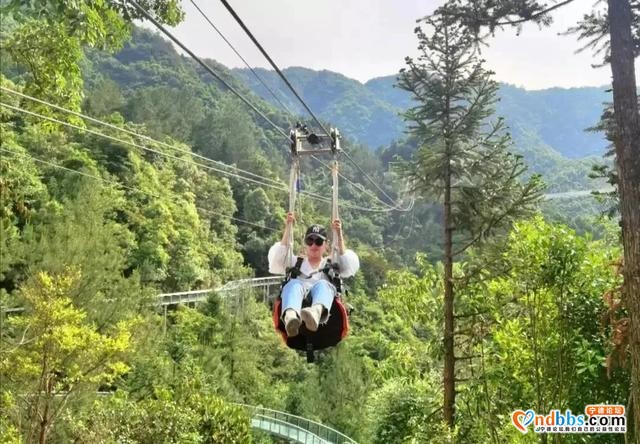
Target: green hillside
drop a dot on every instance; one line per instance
(362, 115)
(557, 117)
(547, 126)
(127, 172)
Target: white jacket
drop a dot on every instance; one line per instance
(348, 262)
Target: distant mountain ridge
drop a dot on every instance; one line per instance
(369, 112)
(359, 113)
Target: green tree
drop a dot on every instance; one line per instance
(198, 419)
(54, 353)
(538, 343)
(103, 99)
(47, 43)
(408, 411)
(612, 32)
(463, 160)
(166, 111)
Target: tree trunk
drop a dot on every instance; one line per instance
(627, 145)
(42, 437)
(449, 357)
(44, 423)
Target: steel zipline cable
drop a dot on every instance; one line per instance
(361, 188)
(285, 108)
(141, 147)
(140, 136)
(273, 64)
(253, 71)
(280, 130)
(205, 66)
(369, 178)
(277, 186)
(293, 90)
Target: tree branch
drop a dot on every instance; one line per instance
(534, 16)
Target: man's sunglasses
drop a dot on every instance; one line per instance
(314, 240)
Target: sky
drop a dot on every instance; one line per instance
(364, 39)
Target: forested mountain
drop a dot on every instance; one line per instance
(179, 186)
(548, 126)
(362, 112)
(556, 116)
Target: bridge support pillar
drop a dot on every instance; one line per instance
(164, 325)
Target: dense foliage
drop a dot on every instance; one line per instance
(96, 221)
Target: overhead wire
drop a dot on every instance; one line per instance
(208, 167)
(118, 184)
(360, 188)
(269, 89)
(212, 72)
(264, 83)
(253, 71)
(368, 177)
(141, 147)
(293, 90)
(272, 63)
(136, 134)
(205, 66)
(126, 142)
(255, 41)
(350, 182)
(403, 225)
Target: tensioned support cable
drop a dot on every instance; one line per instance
(293, 191)
(253, 71)
(207, 167)
(335, 250)
(140, 136)
(240, 96)
(293, 90)
(204, 65)
(272, 63)
(370, 179)
(357, 186)
(146, 148)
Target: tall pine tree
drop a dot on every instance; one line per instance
(462, 160)
(612, 30)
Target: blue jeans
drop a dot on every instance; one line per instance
(322, 293)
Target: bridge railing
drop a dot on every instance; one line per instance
(322, 431)
(285, 429)
(185, 297)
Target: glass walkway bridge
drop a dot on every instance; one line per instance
(294, 428)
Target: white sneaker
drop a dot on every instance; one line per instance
(291, 323)
(311, 316)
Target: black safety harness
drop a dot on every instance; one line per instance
(331, 271)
